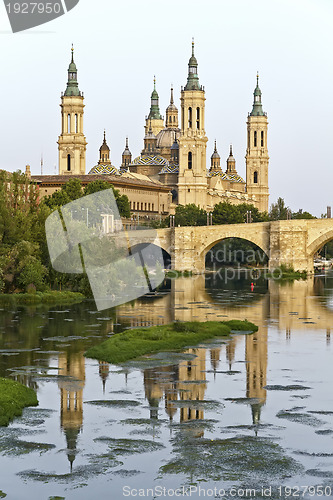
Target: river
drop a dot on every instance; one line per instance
(250, 417)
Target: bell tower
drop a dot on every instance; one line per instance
(72, 142)
(257, 153)
(154, 120)
(192, 179)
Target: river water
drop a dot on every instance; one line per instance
(250, 417)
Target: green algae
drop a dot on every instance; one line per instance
(243, 458)
(119, 403)
(300, 418)
(12, 446)
(137, 342)
(13, 398)
(129, 446)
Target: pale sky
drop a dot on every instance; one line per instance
(120, 46)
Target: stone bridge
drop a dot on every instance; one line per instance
(290, 242)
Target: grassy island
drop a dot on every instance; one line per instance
(13, 398)
(288, 273)
(176, 336)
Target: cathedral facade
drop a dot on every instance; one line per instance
(174, 154)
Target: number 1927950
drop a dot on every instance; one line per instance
(302, 491)
(34, 8)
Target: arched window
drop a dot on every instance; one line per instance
(189, 160)
(170, 119)
(198, 118)
(68, 162)
(174, 119)
(262, 138)
(255, 139)
(148, 147)
(69, 124)
(189, 117)
(255, 177)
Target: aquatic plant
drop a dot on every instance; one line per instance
(13, 398)
(176, 336)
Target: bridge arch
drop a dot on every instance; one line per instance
(319, 242)
(233, 255)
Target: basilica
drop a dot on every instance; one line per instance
(173, 160)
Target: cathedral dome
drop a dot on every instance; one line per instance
(166, 137)
(104, 169)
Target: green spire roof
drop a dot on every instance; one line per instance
(193, 79)
(257, 105)
(154, 113)
(72, 84)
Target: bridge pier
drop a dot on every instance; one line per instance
(288, 245)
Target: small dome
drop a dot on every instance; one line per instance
(166, 137)
(218, 173)
(215, 153)
(150, 160)
(104, 169)
(170, 169)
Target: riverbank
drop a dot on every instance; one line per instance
(176, 336)
(13, 398)
(41, 297)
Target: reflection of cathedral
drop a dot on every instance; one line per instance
(174, 152)
(71, 397)
(256, 370)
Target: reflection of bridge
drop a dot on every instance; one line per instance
(292, 242)
(294, 306)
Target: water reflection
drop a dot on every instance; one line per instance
(32, 338)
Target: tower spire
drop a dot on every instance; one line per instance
(72, 83)
(154, 112)
(193, 78)
(257, 104)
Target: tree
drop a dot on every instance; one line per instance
(279, 210)
(303, 215)
(190, 215)
(72, 191)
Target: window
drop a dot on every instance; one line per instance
(76, 125)
(255, 177)
(189, 117)
(189, 160)
(69, 124)
(262, 138)
(141, 206)
(198, 118)
(68, 162)
(149, 207)
(189, 190)
(174, 119)
(145, 206)
(255, 139)
(152, 207)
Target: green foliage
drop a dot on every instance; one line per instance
(72, 190)
(226, 213)
(177, 336)
(303, 215)
(48, 297)
(190, 215)
(279, 210)
(13, 398)
(287, 272)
